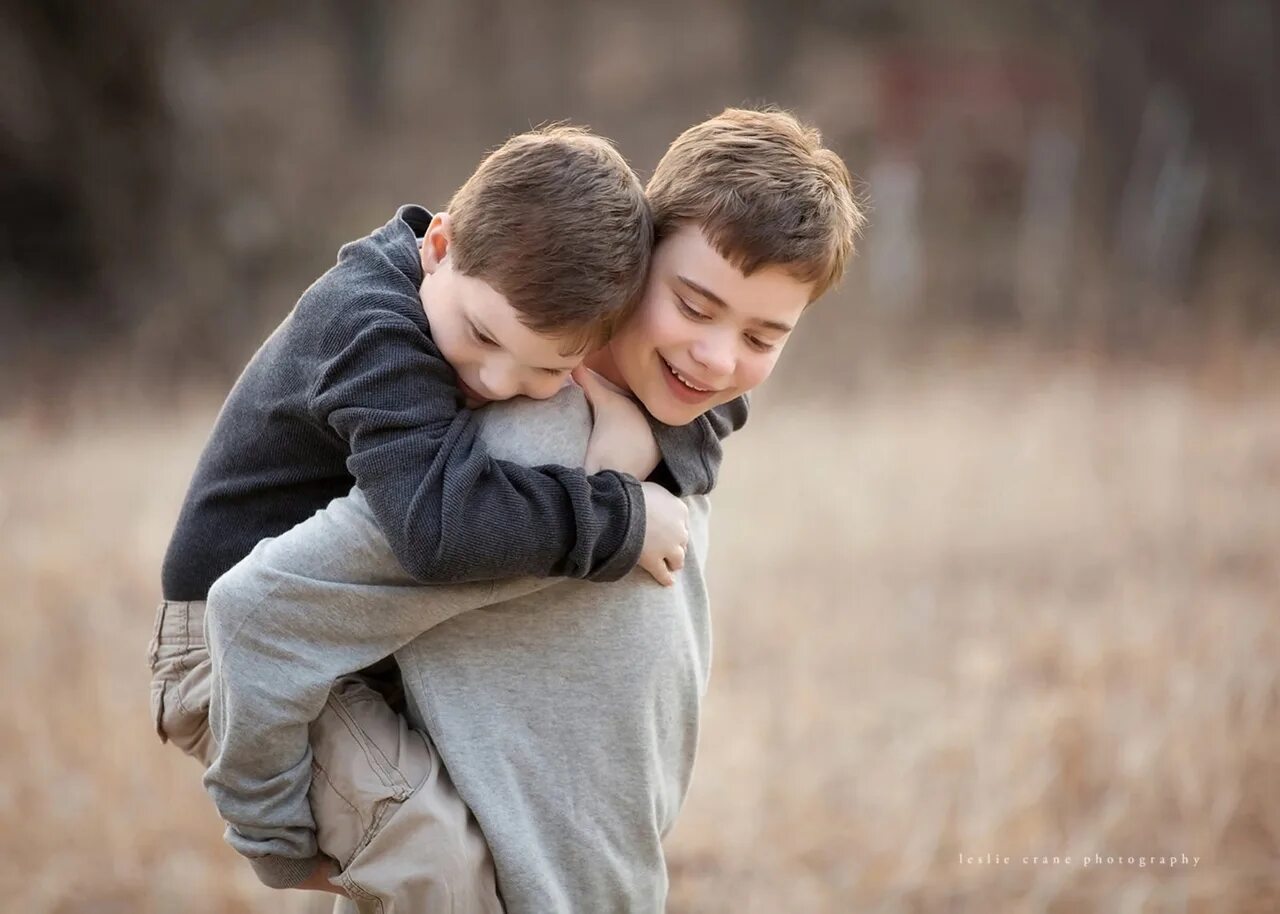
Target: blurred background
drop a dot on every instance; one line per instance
(1020, 600)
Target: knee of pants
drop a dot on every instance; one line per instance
(181, 679)
(365, 763)
(388, 814)
(180, 706)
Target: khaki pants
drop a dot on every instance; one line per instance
(385, 808)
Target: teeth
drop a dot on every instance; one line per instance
(683, 380)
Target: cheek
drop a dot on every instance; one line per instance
(631, 345)
(656, 322)
(754, 369)
(668, 328)
(453, 345)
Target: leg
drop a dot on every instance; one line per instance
(181, 678)
(385, 808)
(388, 814)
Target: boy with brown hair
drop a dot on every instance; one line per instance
(371, 379)
(562, 721)
(541, 252)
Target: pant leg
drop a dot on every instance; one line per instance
(388, 814)
(181, 679)
(385, 808)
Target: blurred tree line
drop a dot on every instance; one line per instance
(175, 174)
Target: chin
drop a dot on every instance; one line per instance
(670, 415)
(671, 412)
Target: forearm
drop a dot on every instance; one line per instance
(326, 599)
(451, 510)
(466, 516)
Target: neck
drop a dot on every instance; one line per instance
(602, 363)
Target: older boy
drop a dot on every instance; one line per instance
(541, 252)
(567, 719)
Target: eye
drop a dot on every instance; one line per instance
(482, 339)
(689, 311)
(758, 344)
(554, 372)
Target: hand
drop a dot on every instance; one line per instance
(620, 438)
(318, 881)
(666, 533)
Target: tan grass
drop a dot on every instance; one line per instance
(1010, 609)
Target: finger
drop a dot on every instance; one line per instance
(657, 570)
(591, 388)
(586, 379)
(582, 377)
(675, 561)
(662, 576)
(667, 577)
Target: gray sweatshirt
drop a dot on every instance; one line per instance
(566, 712)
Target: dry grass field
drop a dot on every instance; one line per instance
(1005, 608)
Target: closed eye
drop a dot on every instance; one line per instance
(758, 344)
(482, 339)
(689, 311)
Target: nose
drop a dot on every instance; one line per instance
(499, 382)
(716, 354)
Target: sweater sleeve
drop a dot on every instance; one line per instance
(326, 599)
(450, 511)
(691, 454)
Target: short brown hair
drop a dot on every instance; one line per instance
(557, 222)
(764, 190)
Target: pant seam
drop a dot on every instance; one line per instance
(391, 776)
(184, 665)
(153, 649)
(355, 888)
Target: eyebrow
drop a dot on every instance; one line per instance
(720, 302)
(483, 331)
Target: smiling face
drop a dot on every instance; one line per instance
(480, 334)
(704, 333)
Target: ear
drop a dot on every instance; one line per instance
(435, 243)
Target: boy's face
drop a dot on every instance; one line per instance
(495, 356)
(703, 333)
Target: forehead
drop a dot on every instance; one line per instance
(768, 294)
(494, 316)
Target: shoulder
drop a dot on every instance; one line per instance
(358, 292)
(370, 315)
(534, 432)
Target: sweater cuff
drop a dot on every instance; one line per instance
(621, 562)
(284, 872)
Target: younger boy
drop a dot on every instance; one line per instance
(368, 380)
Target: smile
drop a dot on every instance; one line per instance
(675, 373)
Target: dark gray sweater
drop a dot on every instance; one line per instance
(351, 390)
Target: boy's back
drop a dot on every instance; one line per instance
(271, 461)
